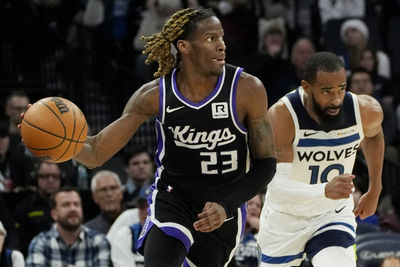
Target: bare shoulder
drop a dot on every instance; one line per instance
(371, 113)
(279, 112)
(145, 100)
(250, 84)
(370, 109)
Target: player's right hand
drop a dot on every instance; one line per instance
(340, 187)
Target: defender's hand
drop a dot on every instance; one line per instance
(211, 218)
(340, 187)
(366, 205)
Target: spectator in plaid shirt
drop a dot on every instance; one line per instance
(68, 243)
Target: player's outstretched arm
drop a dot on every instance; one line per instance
(102, 146)
(373, 147)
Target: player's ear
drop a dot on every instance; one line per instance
(183, 46)
(306, 86)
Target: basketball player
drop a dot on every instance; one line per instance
(205, 113)
(309, 209)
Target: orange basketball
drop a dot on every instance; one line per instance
(54, 129)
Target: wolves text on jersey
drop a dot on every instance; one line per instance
(327, 154)
(185, 136)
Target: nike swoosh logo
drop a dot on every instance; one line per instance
(309, 133)
(337, 211)
(170, 110)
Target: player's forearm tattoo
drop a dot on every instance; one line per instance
(262, 139)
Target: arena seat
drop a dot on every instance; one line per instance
(371, 253)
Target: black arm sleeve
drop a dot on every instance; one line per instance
(259, 176)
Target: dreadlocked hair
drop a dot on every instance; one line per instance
(181, 25)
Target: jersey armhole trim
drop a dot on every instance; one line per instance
(235, 118)
(161, 100)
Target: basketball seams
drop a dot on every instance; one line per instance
(72, 135)
(53, 134)
(55, 114)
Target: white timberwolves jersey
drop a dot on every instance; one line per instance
(319, 156)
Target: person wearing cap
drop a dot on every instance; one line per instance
(8, 257)
(124, 242)
(355, 35)
(107, 194)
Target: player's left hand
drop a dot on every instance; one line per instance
(366, 205)
(211, 218)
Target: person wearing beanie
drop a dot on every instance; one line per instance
(355, 35)
(9, 257)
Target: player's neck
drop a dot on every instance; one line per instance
(195, 86)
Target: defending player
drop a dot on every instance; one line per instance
(309, 207)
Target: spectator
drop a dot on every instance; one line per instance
(360, 82)
(301, 51)
(8, 257)
(107, 194)
(68, 243)
(391, 261)
(355, 35)
(369, 62)
(247, 253)
(32, 214)
(14, 165)
(270, 62)
(139, 170)
(16, 103)
(329, 9)
(12, 240)
(157, 13)
(124, 243)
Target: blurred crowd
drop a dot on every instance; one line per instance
(89, 51)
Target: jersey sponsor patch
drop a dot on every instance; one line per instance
(220, 110)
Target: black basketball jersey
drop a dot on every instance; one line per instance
(202, 147)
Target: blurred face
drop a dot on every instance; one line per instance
(15, 106)
(361, 84)
(354, 37)
(108, 194)
(206, 49)
(254, 207)
(302, 50)
(4, 145)
(391, 262)
(327, 94)
(68, 211)
(273, 42)
(140, 168)
(367, 61)
(48, 178)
